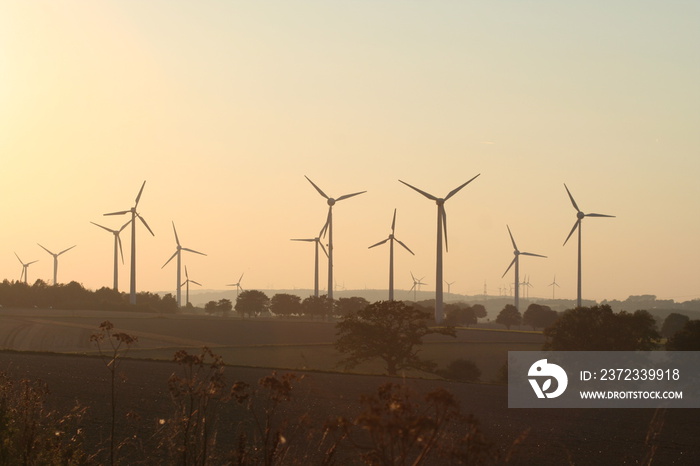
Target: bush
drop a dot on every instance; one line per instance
(463, 370)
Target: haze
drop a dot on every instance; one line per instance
(223, 107)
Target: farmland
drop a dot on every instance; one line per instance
(254, 347)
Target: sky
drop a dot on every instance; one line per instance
(223, 108)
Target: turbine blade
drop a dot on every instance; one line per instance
(413, 277)
(393, 223)
(299, 239)
(317, 188)
(599, 215)
(511, 238)
(349, 195)
(322, 247)
(239, 280)
(531, 254)
(414, 285)
(104, 228)
(177, 240)
(192, 250)
(30, 263)
(20, 260)
(42, 247)
(578, 222)
(139, 195)
(119, 242)
(324, 230)
(196, 283)
(429, 196)
(186, 275)
(171, 258)
(444, 223)
(407, 249)
(377, 244)
(121, 212)
(511, 265)
(572, 199)
(145, 224)
(454, 191)
(65, 250)
(21, 276)
(124, 226)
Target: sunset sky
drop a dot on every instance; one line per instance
(223, 107)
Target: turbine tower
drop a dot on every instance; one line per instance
(516, 261)
(579, 217)
(187, 284)
(441, 230)
(554, 285)
(117, 245)
(391, 240)
(134, 214)
(55, 260)
(237, 285)
(329, 229)
(177, 252)
(416, 284)
(24, 268)
(316, 240)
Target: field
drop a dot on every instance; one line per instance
(585, 436)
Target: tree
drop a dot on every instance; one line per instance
(285, 304)
(597, 328)
(459, 314)
(210, 307)
(345, 306)
(539, 316)
(388, 330)
(479, 311)
(463, 370)
(687, 339)
(224, 305)
(252, 302)
(509, 316)
(321, 306)
(673, 323)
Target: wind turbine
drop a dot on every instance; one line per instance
(516, 261)
(179, 267)
(24, 268)
(134, 214)
(441, 230)
(117, 245)
(554, 285)
(391, 238)
(237, 285)
(416, 284)
(318, 242)
(329, 229)
(579, 217)
(187, 284)
(55, 260)
(449, 286)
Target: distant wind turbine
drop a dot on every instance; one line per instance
(449, 286)
(237, 285)
(187, 284)
(318, 242)
(579, 217)
(55, 260)
(329, 229)
(117, 245)
(441, 230)
(391, 238)
(554, 285)
(516, 261)
(416, 283)
(134, 214)
(177, 254)
(24, 268)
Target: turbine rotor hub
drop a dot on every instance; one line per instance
(580, 215)
(440, 201)
(331, 202)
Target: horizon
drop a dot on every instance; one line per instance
(223, 109)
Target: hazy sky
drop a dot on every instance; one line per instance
(223, 107)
